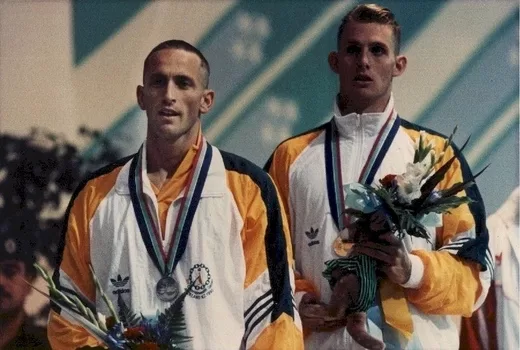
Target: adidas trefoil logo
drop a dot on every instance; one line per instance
(312, 234)
(119, 282)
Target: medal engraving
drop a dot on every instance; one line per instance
(167, 289)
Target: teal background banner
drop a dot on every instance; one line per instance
(69, 63)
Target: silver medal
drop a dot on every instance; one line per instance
(167, 289)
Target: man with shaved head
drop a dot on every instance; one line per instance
(181, 215)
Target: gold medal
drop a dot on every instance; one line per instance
(341, 247)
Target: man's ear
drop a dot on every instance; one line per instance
(400, 65)
(140, 96)
(207, 101)
(333, 61)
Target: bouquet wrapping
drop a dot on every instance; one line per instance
(123, 329)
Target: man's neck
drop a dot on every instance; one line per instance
(163, 158)
(347, 105)
(10, 325)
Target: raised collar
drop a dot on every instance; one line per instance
(368, 123)
(215, 182)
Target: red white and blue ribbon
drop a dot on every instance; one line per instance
(333, 174)
(166, 261)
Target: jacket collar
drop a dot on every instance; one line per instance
(368, 123)
(215, 185)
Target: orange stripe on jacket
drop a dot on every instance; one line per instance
(61, 333)
(273, 338)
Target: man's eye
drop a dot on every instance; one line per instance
(183, 83)
(352, 49)
(378, 50)
(158, 81)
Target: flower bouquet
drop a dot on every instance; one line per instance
(410, 200)
(405, 203)
(123, 329)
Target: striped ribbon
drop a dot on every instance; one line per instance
(364, 268)
(333, 174)
(166, 261)
(393, 303)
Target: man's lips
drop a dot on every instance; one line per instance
(167, 112)
(362, 78)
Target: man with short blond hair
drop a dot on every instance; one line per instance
(422, 282)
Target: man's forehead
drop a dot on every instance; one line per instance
(171, 56)
(367, 33)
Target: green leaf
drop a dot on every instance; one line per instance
(173, 321)
(126, 315)
(413, 226)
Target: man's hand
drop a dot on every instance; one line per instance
(357, 328)
(390, 251)
(315, 315)
(346, 293)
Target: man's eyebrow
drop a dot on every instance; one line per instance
(371, 43)
(156, 75)
(379, 43)
(175, 76)
(184, 76)
(349, 42)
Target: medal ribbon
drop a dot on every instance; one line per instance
(381, 145)
(393, 301)
(166, 261)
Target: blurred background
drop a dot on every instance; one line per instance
(69, 69)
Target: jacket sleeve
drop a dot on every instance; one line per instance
(270, 318)
(72, 277)
(456, 277)
(278, 167)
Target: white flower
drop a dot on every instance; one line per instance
(420, 169)
(408, 188)
(409, 183)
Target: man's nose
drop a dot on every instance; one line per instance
(363, 59)
(170, 92)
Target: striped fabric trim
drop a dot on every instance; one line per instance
(454, 247)
(490, 261)
(275, 242)
(455, 244)
(258, 311)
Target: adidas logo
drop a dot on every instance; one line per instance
(119, 282)
(312, 234)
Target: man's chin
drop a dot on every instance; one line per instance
(366, 93)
